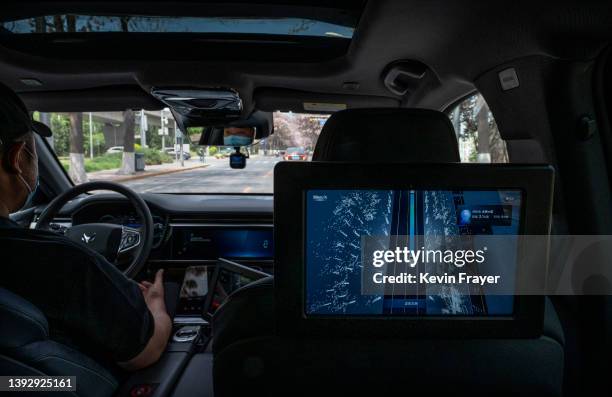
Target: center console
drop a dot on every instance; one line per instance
(204, 264)
(191, 303)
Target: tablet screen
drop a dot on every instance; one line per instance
(194, 290)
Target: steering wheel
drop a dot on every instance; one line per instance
(114, 242)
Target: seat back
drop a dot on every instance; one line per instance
(26, 349)
(260, 361)
(388, 136)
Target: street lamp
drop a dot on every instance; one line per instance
(143, 129)
(163, 130)
(90, 137)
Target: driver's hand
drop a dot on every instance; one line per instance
(153, 293)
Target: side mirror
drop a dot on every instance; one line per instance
(238, 160)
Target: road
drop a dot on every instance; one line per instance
(217, 177)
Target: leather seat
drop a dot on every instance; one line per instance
(253, 305)
(26, 349)
(249, 357)
(388, 135)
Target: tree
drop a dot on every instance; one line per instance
(128, 163)
(309, 127)
(477, 125)
(39, 25)
(484, 131)
(129, 158)
(282, 132)
(60, 125)
(77, 159)
(293, 129)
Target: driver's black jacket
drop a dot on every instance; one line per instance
(88, 302)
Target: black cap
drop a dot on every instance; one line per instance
(15, 121)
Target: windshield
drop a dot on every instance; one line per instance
(144, 150)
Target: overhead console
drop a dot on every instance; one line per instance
(201, 107)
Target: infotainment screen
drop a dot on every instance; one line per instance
(203, 243)
(439, 233)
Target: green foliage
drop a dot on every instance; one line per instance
(98, 143)
(213, 150)
(194, 130)
(105, 162)
(65, 162)
(60, 125)
(154, 157)
(100, 163)
(113, 160)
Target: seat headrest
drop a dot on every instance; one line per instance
(248, 312)
(388, 135)
(21, 322)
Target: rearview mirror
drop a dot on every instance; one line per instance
(258, 125)
(238, 136)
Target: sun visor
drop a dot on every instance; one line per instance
(99, 99)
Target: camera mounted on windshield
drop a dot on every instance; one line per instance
(238, 159)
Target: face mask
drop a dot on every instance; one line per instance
(237, 140)
(31, 194)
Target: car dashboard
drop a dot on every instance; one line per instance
(187, 228)
(190, 232)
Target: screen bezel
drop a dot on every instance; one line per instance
(293, 180)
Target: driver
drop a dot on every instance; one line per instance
(88, 302)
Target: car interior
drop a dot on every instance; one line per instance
(257, 307)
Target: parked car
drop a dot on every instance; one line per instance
(115, 149)
(295, 153)
(173, 153)
(224, 153)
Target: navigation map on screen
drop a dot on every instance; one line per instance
(338, 220)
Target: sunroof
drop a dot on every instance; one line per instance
(75, 23)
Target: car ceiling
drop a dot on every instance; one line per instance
(457, 40)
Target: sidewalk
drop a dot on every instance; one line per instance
(150, 170)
